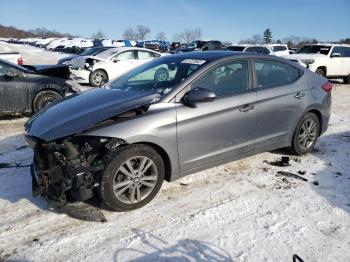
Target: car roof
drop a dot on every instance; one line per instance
(111, 51)
(215, 55)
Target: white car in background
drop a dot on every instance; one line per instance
(279, 49)
(328, 60)
(259, 49)
(110, 64)
(53, 44)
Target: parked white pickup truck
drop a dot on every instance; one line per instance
(329, 60)
(13, 57)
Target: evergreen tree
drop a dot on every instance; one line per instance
(267, 36)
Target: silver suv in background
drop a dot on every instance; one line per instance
(122, 141)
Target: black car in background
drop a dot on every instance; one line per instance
(28, 89)
(200, 45)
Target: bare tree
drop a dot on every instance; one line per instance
(161, 36)
(130, 34)
(98, 34)
(142, 31)
(188, 35)
(258, 39)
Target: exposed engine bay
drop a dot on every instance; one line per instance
(69, 169)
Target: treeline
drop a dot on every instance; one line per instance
(13, 32)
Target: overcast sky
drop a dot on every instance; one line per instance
(219, 19)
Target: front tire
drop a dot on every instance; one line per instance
(98, 78)
(44, 98)
(133, 176)
(321, 72)
(306, 135)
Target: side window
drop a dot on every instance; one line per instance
(271, 73)
(225, 79)
(127, 55)
(346, 51)
(338, 49)
(4, 69)
(251, 50)
(144, 55)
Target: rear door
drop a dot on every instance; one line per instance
(281, 100)
(223, 128)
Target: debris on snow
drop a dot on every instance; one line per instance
(289, 174)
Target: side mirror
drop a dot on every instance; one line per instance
(196, 95)
(115, 60)
(335, 55)
(11, 73)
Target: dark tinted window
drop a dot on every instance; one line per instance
(4, 69)
(338, 49)
(228, 78)
(271, 73)
(258, 50)
(235, 48)
(346, 51)
(279, 48)
(314, 49)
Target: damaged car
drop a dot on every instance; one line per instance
(27, 89)
(109, 64)
(120, 142)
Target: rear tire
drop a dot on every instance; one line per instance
(346, 80)
(133, 176)
(305, 135)
(98, 78)
(321, 72)
(44, 98)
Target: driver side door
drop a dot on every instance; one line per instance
(13, 91)
(121, 63)
(223, 128)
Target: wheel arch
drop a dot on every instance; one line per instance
(43, 89)
(100, 69)
(164, 155)
(324, 68)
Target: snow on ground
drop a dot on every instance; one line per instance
(32, 55)
(241, 211)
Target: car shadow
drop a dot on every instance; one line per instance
(153, 248)
(332, 152)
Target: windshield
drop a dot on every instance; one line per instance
(279, 48)
(159, 75)
(192, 45)
(314, 49)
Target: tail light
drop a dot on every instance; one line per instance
(327, 87)
(20, 61)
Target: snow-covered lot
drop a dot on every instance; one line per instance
(242, 211)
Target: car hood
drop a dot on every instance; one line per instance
(61, 71)
(77, 113)
(67, 58)
(304, 56)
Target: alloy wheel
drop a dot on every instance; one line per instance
(308, 134)
(135, 179)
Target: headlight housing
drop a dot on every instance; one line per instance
(308, 61)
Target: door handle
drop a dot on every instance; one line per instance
(299, 95)
(246, 108)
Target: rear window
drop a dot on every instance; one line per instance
(279, 48)
(271, 73)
